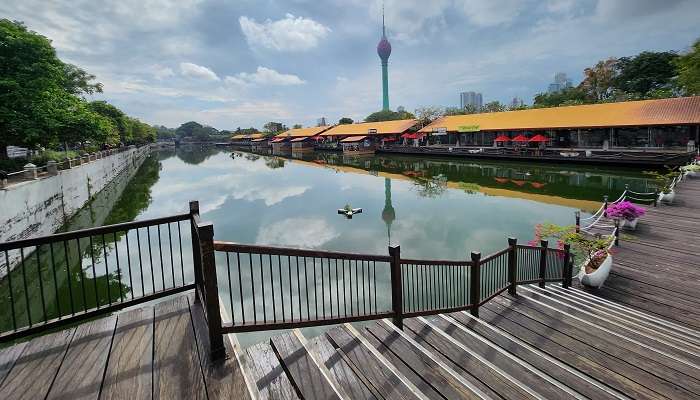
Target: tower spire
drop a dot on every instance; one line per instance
(383, 27)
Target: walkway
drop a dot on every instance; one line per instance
(549, 343)
(657, 267)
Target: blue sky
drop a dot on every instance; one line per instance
(246, 62)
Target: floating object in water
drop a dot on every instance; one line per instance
(349, 211)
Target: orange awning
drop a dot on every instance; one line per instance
(352, 139)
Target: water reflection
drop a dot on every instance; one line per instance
(81, 274)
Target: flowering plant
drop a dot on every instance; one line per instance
(625, 210)
(593, 248)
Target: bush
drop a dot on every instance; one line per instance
(625, 210)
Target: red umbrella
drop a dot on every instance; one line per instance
(503, 138)
(539, 138)
(317, 138)
(409, 136)
(520, 138)
(389, 139)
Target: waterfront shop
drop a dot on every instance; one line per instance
(367, 137)
(297, 139)
(648, 125)
(247, 140)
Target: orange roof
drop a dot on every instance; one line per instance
(675, 111)
(352, 139)
(250, 136)
(382, 128)
(304, 132)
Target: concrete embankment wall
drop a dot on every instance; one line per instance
(40, 207)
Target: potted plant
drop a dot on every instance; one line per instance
(593, 249)
(692, 171)
(626, 212)
(664, 180)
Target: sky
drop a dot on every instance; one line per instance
(242, 63)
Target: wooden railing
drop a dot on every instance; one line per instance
(272, 288)
(264, 287)
(64, 278)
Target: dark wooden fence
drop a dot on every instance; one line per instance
(264, 287)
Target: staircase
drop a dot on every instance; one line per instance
(546, 343)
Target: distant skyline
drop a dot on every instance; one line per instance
(229, 64)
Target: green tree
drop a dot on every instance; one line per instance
(468, 109)
(296, 126)
(77, 81)
(688, 66)
(188, 129)
(272, 128)
(118, 118)
(345, 121)
(164, 133)
(426, 115)
(388, 115)
(31, 90)
(641, 75)
(493, 106)
(598, 80)
(565, 97)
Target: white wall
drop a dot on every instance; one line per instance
(42, 206)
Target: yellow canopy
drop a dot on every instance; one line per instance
(372, 128)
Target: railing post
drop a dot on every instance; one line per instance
(543, 261)
(196, 255)
(211, 288)
(396, 286)
(512, 265)
(577, 214)
(605, 206)
(475, 283)
(566, 278)
(617, 232)
(656, 197)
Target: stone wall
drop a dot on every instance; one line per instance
(41, 206)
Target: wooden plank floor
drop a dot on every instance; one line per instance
(544, 343)
(656, 269)
(155, 351)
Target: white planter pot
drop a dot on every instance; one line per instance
(597, 277)
(667, 197)
(631, 225)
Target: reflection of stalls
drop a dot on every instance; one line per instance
(260, 143)
(280, 145)
(358, 145)
(302, 144)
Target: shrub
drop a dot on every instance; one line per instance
(625, 210)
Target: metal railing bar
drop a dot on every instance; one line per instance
(150, 259)
(119, 271)
(256, 249)
(182, 263)
(128, 263)
(41, 282)
(434, 262)
(82, 233)
(160, 252)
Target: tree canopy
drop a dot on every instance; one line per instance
(645, 73)
(40, 103)
(345, 121)
(388, 115)
(688, 67)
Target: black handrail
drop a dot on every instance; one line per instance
(268, 287)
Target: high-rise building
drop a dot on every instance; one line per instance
(471, 99)
(384, 51)
(321, 121)
(561, 82)
(516, 102)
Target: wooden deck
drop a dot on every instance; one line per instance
(551, 343)
(656, 269)
(636, 338)
(151, 352)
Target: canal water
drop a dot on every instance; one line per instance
(432, 208)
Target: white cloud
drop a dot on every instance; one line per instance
(288, 34)
(160, 72)
(492, 12)
(297, 232)
(197, 71)
(265, 76)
